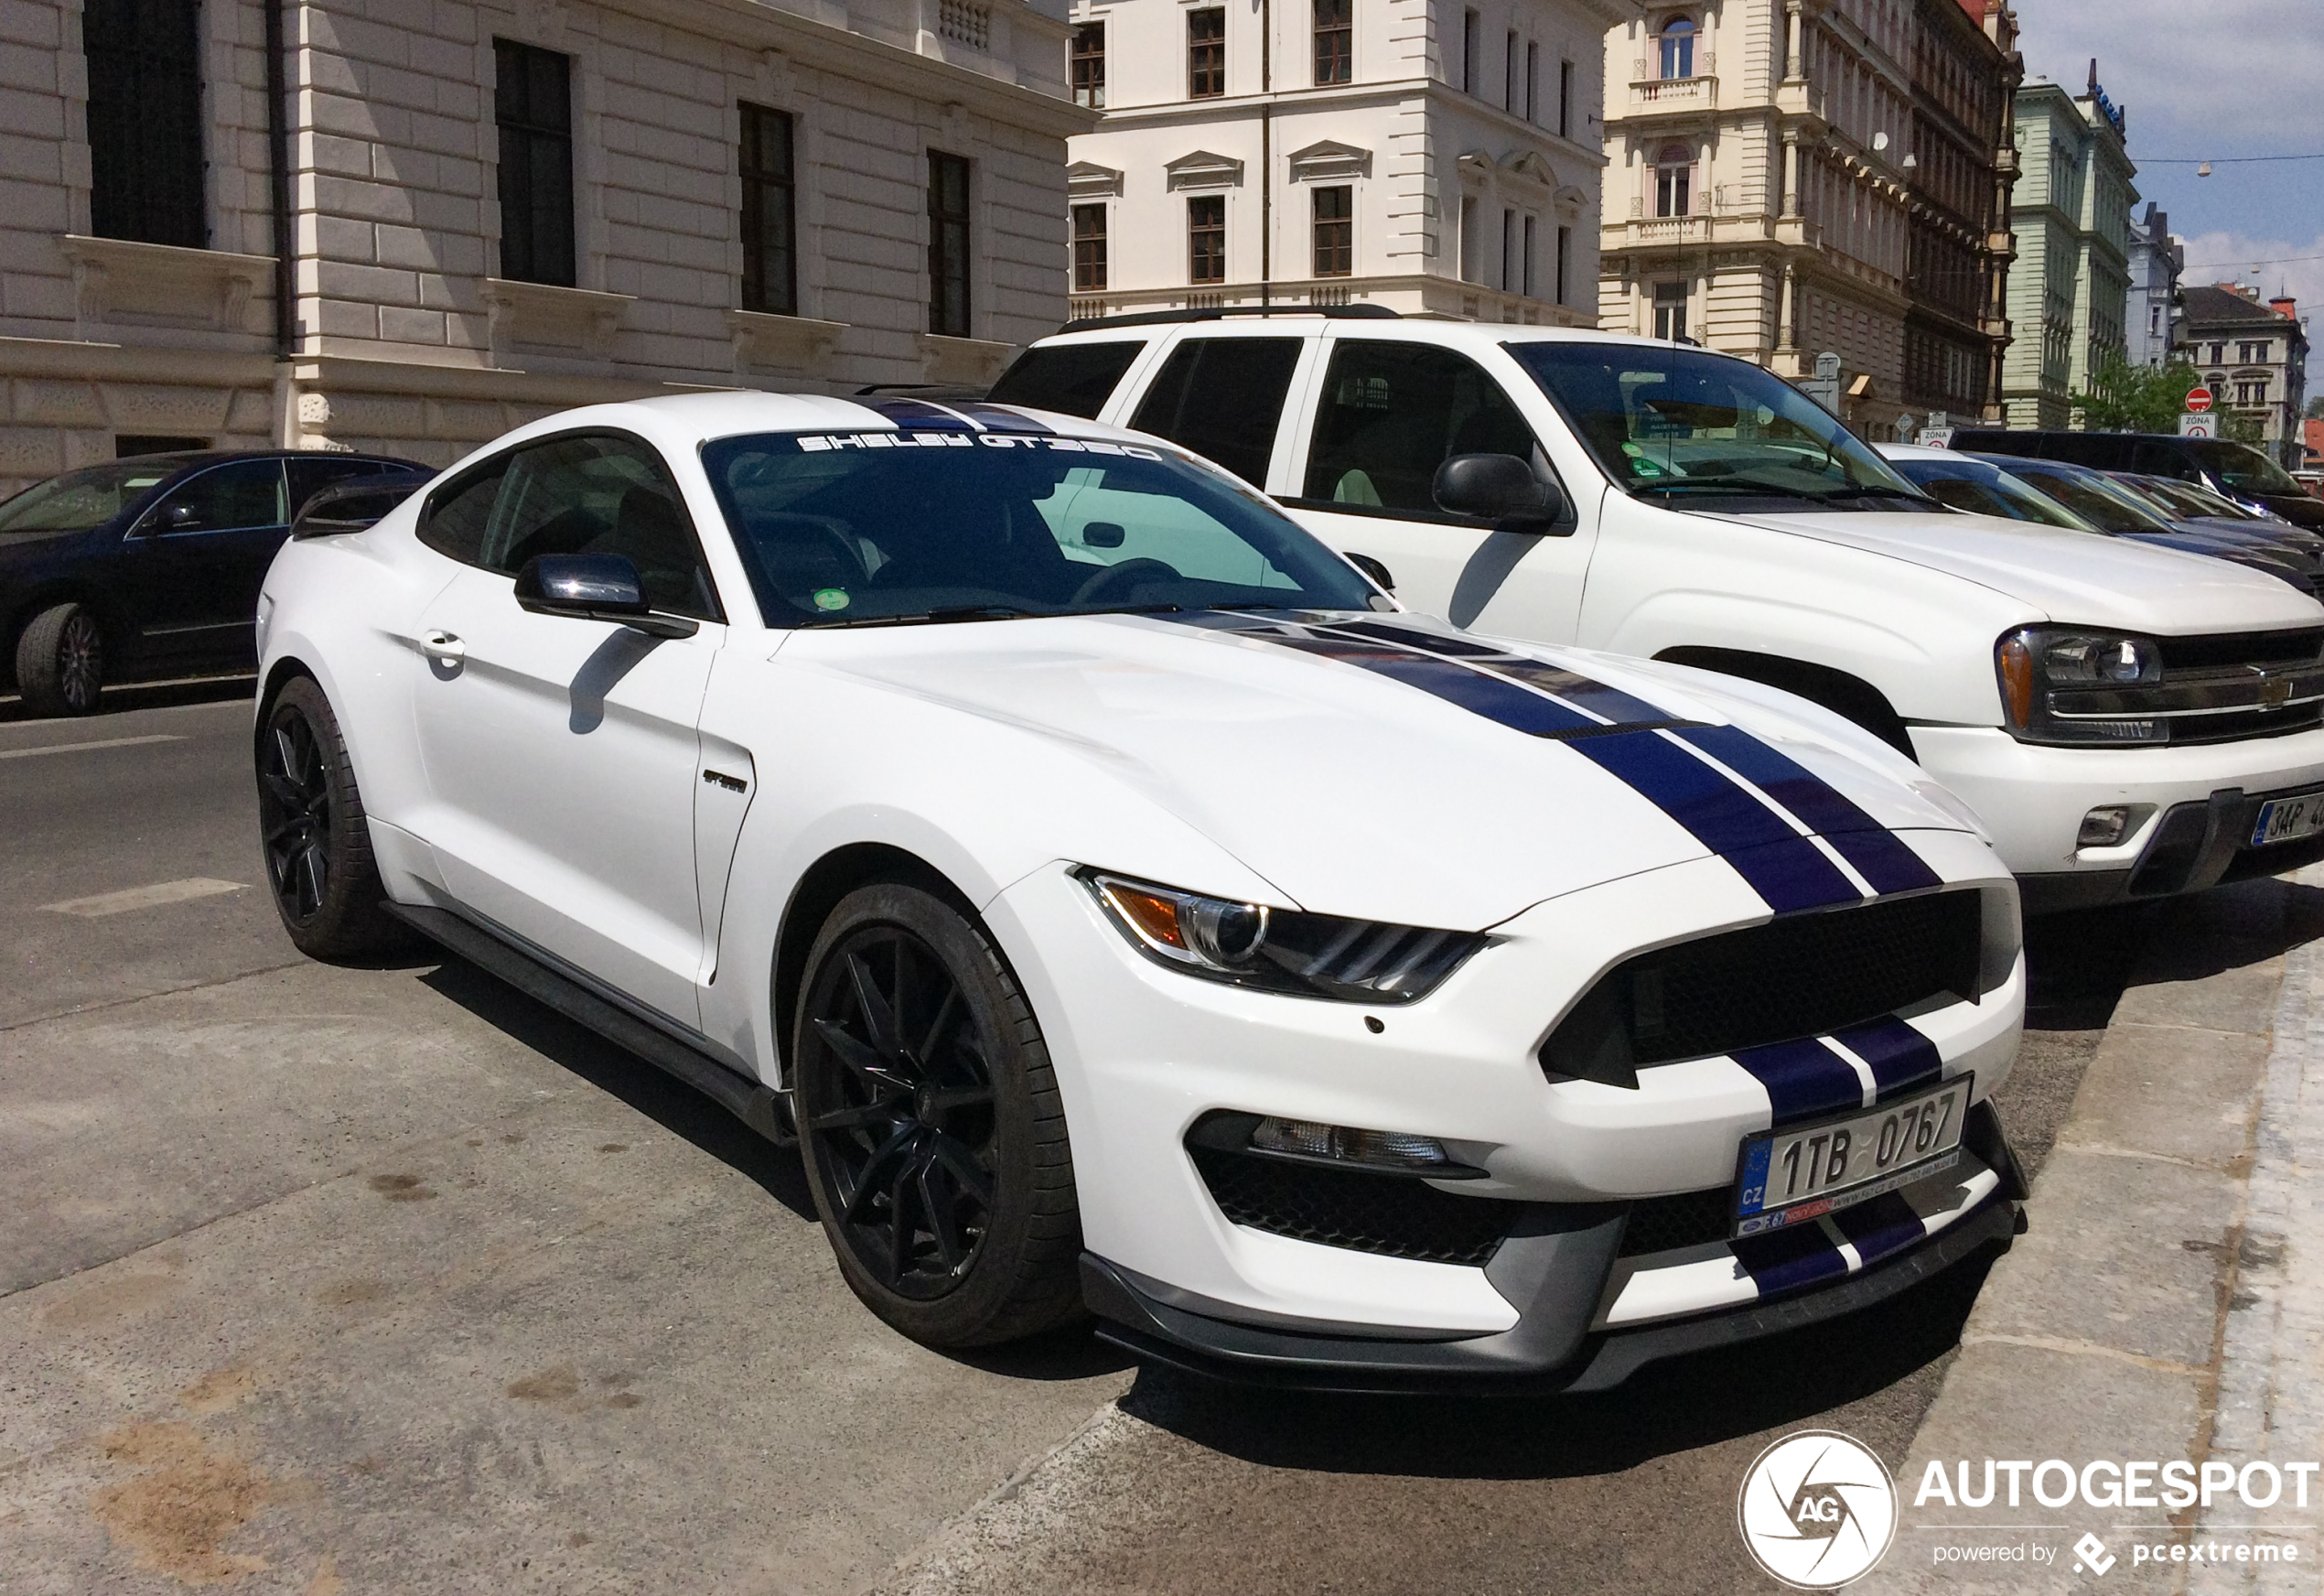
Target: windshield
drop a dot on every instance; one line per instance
(80, 500)
(1961, 485)
(1681, 424)
(2244, 469)
(2108, 505)
(2186, 499)
(856, 528)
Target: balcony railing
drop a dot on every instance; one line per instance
(1693, 93)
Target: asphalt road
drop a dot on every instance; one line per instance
(321, 1279)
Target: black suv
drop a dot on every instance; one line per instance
(149, 566)
(2235, 469)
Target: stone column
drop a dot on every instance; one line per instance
(1790, 172)
(1795, 65)
(1786, 324)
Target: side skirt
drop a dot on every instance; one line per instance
(757, 1104)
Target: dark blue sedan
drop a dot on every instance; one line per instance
(149, 566)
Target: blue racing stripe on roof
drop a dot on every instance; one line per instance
(1803, 1078)
(919, 415)
(1782, 867)
(1795, 1256)
(999, 418)
(1882, 859)
(1899, 1055)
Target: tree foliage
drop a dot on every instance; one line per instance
(2128, 398)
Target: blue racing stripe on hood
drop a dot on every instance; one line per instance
(1878, 855)
(1804, 1079)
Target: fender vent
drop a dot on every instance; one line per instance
(1393, 1214)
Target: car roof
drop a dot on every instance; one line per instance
(1917, 452)
(181, 458)
(1420, 329)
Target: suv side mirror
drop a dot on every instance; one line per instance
(594, 588)
(1499, 488)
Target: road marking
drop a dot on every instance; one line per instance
(144, 897)
(81, 747)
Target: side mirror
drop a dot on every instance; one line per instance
(352, 505)
(594, 588)
(1498, 487)
(1382, 577)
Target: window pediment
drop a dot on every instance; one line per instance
(1203, 169)
(1328, 160)
(1088, 180)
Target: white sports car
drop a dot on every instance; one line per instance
(1134, 912)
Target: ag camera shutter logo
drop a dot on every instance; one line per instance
(1817, 1510)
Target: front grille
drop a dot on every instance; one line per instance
(1660, 1224)
(2245, 725)
(2225, 650)
(1391, 1214)
(1797, 975)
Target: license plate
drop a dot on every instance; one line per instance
(1799, 1173)
(2285, 819)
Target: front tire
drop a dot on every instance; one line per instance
(314, 839)
(60, 662)
(930, 1124)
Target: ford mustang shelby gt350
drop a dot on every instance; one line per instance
(1133, 911)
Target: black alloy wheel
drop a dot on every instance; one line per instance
(316, 843)
(60, 662)
(934, 1137)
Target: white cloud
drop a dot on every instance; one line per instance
(2235, 76)
(2221, 257)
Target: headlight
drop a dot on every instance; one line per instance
(1280, 950)
(2064, 686)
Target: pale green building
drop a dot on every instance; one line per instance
(2071, 211)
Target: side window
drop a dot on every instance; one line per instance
(1392, 412)
(454, 521)
(2158, 461)
(1074, 378)
(310, 475)
(596, 494)
(244, 493)
(1962, 493)
(1222, 398)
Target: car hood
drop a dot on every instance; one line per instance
(1375, 777)
(2077, 578)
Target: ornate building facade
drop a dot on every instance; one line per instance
(2069, 293)
(2253, 355)
(1789, 177)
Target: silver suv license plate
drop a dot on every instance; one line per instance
(2284, 819)
(1804, 1171)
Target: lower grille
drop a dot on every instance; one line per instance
(1797, 975)
(1390, 1214)
(1660, 1224)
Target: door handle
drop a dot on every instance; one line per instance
(443, 647)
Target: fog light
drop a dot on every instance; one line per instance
(2105, 826)
(1381, 1148)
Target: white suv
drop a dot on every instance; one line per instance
(2126, 721)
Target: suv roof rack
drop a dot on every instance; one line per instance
(1361, 312)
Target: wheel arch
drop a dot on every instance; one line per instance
(1850, 697)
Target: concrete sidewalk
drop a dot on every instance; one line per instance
(2168, 1303)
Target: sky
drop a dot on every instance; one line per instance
(2203, 80)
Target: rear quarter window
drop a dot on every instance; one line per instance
(1075, 378)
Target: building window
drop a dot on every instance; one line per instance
(948, 245)
(1206, 54)
(1335, 41)
(1678, 48)
(1509, 278)
(1509, 71)
(1089, 249)
(2252, 393)
(2253, 354)
(533, 105)
(1565, 262)
(1470, 28)
(145, 122)
(1089, 65)
(1205, 237)
(1674, 180)
(1526, 256)
(2219, 353)
(769, 253)
(1533, 82)
(1472, 267)
(1335, 232)
(1670, 311)
(1564, 99)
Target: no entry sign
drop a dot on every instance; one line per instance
(2199, 399)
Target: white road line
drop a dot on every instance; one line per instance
(143, 897)
(80, 748)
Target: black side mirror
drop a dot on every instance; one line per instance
(1498, 487)
(353, 505)
(594, 588)
(1382, 577)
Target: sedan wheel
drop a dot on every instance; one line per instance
(60, 662)
(929, 1120)
(315, 841)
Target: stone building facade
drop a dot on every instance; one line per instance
(2151, 312)
(2069, 290)
(1418, 154)
(2253, 355)
(720, 193)
(1796, 176)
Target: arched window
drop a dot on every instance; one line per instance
(1678, 48)
(1674, 180)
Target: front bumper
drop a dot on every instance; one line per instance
(2192, 810)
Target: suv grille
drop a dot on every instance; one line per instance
(1393, 1214)
(1797, 975)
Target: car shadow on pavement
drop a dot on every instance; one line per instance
(1665, 1408)
(671, 1104)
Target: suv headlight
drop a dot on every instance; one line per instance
(2064, 685)
(1281, 949)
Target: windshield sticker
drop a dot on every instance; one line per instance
(814, 443)
(831, 598)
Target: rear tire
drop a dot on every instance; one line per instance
(60, 662)
(930, 1124)
(314, 840)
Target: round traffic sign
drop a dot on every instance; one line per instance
(2199, 399)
